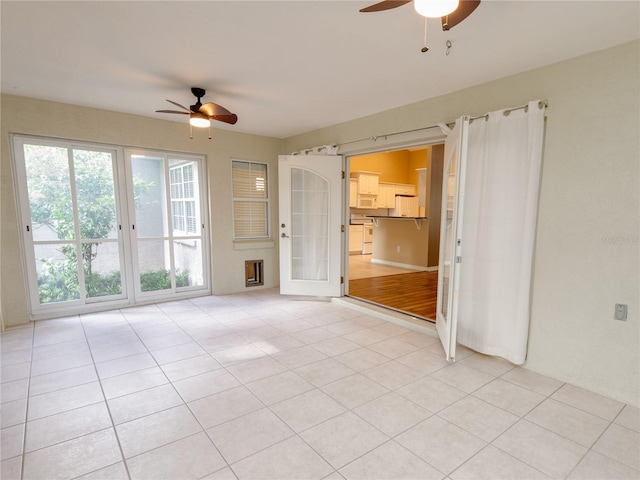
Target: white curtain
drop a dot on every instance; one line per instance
(504, 159)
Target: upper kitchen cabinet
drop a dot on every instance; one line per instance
(353, 192)
(367, 182)
(386, 195)
(406, 190)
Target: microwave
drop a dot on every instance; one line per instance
(367, 201)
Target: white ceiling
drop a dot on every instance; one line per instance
(284, 67)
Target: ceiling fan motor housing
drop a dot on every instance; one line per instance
(198, 92)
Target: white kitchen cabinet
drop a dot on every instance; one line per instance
(353, 192)
(367, 182)
(407, 190)
(386, 195)
(355, 238)
(405, 207)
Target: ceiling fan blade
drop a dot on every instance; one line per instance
(213, 109)
(172, 111)
(465, 8)
(178, 105)
(231, 118)
(384, 5)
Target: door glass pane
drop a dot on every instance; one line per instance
(185, 214)
(57, 271)
(309, 226)
(102, 276)
(188, 261)
(49, 190)
(95, 194)
(97, 217)
(449, 240)
(155, 267)
(168, 223)
(149, 196)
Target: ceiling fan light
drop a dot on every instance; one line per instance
(435, 8)
(200, 120)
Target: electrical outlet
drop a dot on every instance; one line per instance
(621, 311)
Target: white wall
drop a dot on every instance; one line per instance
(36, 117)
(587, 255)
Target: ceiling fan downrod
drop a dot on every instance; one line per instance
(425, 48)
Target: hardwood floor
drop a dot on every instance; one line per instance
(413, 292)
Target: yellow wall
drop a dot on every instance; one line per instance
(417, 159)
(393, 167)
(397, 166)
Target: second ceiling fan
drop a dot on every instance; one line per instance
(452, 12)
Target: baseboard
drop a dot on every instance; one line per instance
(417, 268)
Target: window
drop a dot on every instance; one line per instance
(183, 203)
(250, 200)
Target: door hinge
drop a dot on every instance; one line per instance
(341, 280)
(343, 174)
(458, 259)
(342, 228)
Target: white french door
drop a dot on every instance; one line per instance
(310, 227)
(455, 158)
(104, 231)
(166, 219)
(71, 211)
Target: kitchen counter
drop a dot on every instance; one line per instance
(418, 220)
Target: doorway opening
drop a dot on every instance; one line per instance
(394, 228)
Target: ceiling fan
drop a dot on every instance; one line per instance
(451, 12)
(200, 115)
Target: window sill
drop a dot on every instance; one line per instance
(253, 244)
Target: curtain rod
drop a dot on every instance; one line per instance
(541, 104)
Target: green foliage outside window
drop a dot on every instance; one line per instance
(161, 280)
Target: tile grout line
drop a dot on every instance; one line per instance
(26, 410)
(106, 403)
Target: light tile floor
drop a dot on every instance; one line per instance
(259, 386)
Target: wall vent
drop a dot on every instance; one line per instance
(254, 273)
